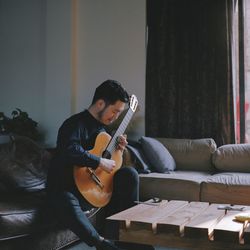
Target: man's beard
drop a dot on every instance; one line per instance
(101, 112)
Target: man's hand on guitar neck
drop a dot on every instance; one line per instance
(122, 142)
(108, 164)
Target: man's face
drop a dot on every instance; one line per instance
(110, 113)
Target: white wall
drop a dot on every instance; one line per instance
(112, 46)
(22, 56)
(57, 93)
(38, 39)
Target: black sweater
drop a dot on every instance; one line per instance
(75, 137)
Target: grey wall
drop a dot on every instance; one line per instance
(53, 53)
(22, 56)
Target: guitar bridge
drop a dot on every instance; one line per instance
(95, 178)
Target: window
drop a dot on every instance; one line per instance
(241, 66)
(247, 68)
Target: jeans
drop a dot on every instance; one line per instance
(69, 206)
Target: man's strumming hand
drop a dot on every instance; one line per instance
(107, 165)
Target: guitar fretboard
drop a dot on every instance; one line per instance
(121, 129)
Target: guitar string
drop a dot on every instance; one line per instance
(113, 143)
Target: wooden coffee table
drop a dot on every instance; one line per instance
(182, 224)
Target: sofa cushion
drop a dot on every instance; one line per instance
(23, 165)
(27, 214)
(232, 158)
(53, 238)
(18, 214)
(191, 154)
(139, 161)
(158, 155)
(177, 185)
(229, 188)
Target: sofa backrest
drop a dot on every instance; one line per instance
(232, 158)
(191, 154)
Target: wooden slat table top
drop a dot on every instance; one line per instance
(150, 214)
(183, 224)
(204, 223)
(177, 220)
(228, 229)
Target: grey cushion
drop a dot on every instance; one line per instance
(142, 165)
(159, 157)
(228, 188)
(191, 154)
(23, 165)
(233, 158)
(177, 185)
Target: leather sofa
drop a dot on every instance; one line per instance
(25, 220)
(202, 171)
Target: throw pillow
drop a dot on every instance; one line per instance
(23, 164)
(158, 155)
(141, 163)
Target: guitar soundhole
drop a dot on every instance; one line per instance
(106, 154)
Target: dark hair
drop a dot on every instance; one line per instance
(110, 91)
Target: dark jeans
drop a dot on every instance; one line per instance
(69, 206)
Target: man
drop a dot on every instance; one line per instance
(75, 138)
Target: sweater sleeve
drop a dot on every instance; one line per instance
(69, 144)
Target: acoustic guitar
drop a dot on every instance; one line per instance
(96, 186)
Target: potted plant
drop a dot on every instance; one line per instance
(20, 123)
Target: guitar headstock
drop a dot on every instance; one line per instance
(133, 103)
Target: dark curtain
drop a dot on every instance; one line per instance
(188, 72)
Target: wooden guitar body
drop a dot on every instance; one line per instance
(95, 194)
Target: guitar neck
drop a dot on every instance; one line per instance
(121, 129)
